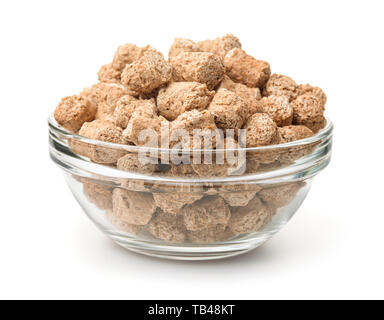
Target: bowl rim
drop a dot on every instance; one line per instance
(321, 134)
(302, 169)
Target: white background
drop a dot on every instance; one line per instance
(333, 247)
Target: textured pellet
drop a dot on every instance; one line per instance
(73, 111)
(172, 202)
(241, 67)
(228, 109)
(137, 125)
(266, 166)
(102, 92)
(250, 218)
(97, 193)
(132, 162)
(126, 54)
(122, 225)
(104, 131)
(219, 46)
(238, 199)
(104, 97)
(252, 166)
(261, 130)
(315, 91)
(167, 227)
(146, 74)
(224, 162)
(125, 107)
(108, 74)
(210, 170)
(279, 85)
(182, 170)
(144, 118)
(145, 108)
(294, 133)
(180, 45)
(308, 111)
(280, 195)
(207, 212)
(251, 96)
(202, 67)
(279, 109)
(190, 121)
(179, 97)
(133, 207)
(210, 235)
(237, 195)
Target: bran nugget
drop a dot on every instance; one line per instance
(167, 227)
(172, 202)
(271, 166)
(128, 107)
(126, 54)
(219, 46)
(104, 131)
(104, 97)
(252, 166)
(251, 96)
(146, 108)
(179, 97)
(122, 225)
(279, 109)
(250, 218)
(73, 111)
(131, 162)
(243, 68)
(210, 235)
(238, 195)
(182, 170)
(206, 170)
(136, 185)
(228, 109)
(315, 91)
(181, 45)
(150, 128)
(146, 74)
(125, 107)
(134, 163)
(133, 207)
(207, 212)
(202, 67)
(225, 161)
(279, 85)
(308, 111)
(281, 195)
(239, 198)
(294, 133)
(108, 74)
(189, 121)
(97, 193)
(261, 130)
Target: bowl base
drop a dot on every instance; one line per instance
(188, 253)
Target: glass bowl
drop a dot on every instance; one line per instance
(188, 211)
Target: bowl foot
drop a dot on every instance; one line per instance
(188, 253)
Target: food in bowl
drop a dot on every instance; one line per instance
(204, 155)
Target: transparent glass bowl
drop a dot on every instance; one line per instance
(175, 213)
